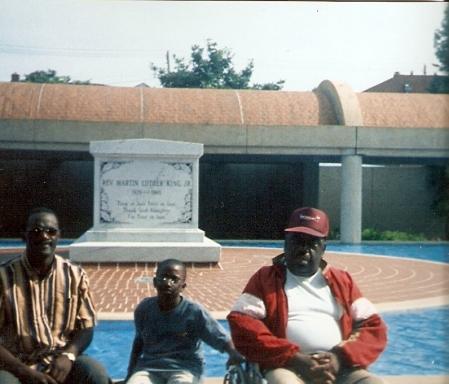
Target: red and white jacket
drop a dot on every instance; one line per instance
(258, 319)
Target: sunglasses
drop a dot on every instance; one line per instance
(37, 231)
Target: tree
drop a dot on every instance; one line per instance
(51, 77)
(440, 84)
(214, 71)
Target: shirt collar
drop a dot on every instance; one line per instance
(32, 272)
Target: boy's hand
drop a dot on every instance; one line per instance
(235, 358)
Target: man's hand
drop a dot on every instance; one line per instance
(60, 368)
(313, 369)
(328, 362)
(35, 377)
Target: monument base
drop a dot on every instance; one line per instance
(93, 252)
(130, 235)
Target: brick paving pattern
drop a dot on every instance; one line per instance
(119, 287)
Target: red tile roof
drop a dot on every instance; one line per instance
(400, 83)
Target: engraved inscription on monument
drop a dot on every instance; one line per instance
(146, 193)
(145, 204)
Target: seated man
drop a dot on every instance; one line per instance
(170, 329)
(303, 321)
(46, 313)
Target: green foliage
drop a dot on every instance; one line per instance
(441, 43)
(215, 71)
(334, 234)
(51, 77)
(268, 86)
(376, 235)
(439, 84)
(371, 234)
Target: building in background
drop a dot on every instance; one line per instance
(404, 84)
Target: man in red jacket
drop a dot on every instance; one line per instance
(303, 321)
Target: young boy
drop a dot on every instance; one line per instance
(170, 329)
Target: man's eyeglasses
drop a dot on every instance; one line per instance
(37, 231)
(172, 280)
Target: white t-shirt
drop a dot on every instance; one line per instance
(313, 313)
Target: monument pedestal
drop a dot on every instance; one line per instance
(145, 204)
(207, 251)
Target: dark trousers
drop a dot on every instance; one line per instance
(85, 370)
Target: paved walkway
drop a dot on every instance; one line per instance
(390, 283)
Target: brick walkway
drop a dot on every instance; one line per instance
(390, 283)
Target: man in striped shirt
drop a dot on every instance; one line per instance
(46, 313)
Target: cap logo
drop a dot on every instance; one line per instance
(305, 217)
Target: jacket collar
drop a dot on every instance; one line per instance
(280, 261)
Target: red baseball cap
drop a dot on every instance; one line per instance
(310, 221)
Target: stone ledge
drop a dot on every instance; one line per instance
(91, 252)
(389, 379)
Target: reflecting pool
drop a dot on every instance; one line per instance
(417, 345)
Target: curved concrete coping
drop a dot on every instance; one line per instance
(432, 302)
(344, 101)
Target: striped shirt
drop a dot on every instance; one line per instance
(38, 315)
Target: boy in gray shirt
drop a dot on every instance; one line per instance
(170, 329)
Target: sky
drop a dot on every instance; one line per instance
(303, 43)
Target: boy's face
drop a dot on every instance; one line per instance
(169, 281)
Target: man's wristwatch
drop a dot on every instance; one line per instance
(70, 355)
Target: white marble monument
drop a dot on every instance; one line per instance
(145, 204)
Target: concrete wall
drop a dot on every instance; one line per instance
(65, 186)
(394, 198)
(249, 200)
(239, 199)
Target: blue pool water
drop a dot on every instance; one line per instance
(438, 251)
(421, 251)
(417, 345)
(17, 243)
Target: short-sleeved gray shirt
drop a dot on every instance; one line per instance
(173, 340)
